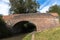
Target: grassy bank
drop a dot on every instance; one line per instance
(28, 37)
(51, 34)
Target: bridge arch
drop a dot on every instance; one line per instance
(23, 27)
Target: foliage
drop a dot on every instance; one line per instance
(0, 16)
(23, 6)
(3, 29)
(55, 8)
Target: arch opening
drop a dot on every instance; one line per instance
(23, 27)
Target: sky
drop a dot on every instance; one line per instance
(44, 5)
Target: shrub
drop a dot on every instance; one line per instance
(4, 32)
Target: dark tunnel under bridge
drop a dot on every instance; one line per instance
(23, 27)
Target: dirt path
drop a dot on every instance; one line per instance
(19, 37)
(33, 35)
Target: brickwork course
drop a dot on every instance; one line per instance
(41, 20)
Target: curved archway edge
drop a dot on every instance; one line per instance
(23, 27)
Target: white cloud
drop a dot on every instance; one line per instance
(5, 0)
(46, 8)
(4, 9)
(43, 5)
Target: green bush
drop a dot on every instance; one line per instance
(4, 32)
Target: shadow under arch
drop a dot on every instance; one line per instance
(23, 27)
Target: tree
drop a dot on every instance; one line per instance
(55, 8)
(23, 6)
(4, 32)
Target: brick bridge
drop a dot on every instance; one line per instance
(41, 20)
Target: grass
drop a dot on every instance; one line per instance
(51, 34)
(28, 37)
